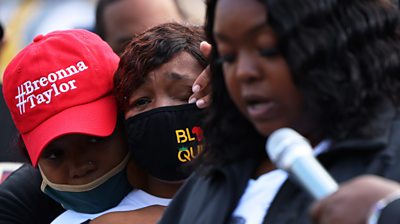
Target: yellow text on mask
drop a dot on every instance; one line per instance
(187, 154)
(184, 135)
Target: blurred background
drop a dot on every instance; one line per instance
(24, 19)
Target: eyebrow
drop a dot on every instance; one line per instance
(177, 76)
(252, 30)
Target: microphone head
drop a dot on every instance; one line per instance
(285, 145)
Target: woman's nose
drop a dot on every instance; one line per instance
(246, 70)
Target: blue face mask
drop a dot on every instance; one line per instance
(97, 196)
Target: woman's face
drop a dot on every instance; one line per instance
(169, 85)
(256, 74)
(77, 159)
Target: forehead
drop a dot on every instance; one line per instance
(232, 16)
(182, 63)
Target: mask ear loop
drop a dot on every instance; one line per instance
(84, 187)
(45, 181)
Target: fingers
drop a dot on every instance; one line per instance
(353, 201)
(202, 81)
(203, 102)
(205, 48)
(325, 212)
(315, 211)
(201, 86)
(201, 89)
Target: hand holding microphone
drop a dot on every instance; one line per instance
(351, 203)
(291, 152)
(364, 199)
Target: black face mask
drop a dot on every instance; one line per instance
(164, 139)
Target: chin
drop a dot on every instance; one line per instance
(267, 129)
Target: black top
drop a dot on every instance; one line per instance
(212, 196)
(390, 214)
(22, 201)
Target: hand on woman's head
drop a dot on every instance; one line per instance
(202, 86)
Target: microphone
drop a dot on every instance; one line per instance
(291, 152)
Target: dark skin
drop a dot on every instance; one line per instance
(169, 85)
(77, 159)
(260, 85)
(256, 75)
(125, 18)
(147, 215)
(201, 86)
(352, 203)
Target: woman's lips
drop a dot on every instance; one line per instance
(260, 109)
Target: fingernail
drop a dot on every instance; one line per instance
(196, 88)
(200, 103)
(192, 100)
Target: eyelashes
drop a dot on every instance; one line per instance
(265, 52)
(269, 52)
(53, 154)
(141, 102)
(225, 59)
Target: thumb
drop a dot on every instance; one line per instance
(315, 211)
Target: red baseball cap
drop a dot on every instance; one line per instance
(61, 83)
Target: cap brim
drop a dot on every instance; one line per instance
(96, 118)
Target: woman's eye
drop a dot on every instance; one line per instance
(229, 58)
(94, 140)
(269, 52)
(53, 155)
(141, 101)
(184, 95)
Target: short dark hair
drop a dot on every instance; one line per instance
(151, 49)
(344, 58)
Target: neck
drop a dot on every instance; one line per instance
(162, 189)
(263, 167)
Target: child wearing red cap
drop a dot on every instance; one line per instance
(59, 91)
